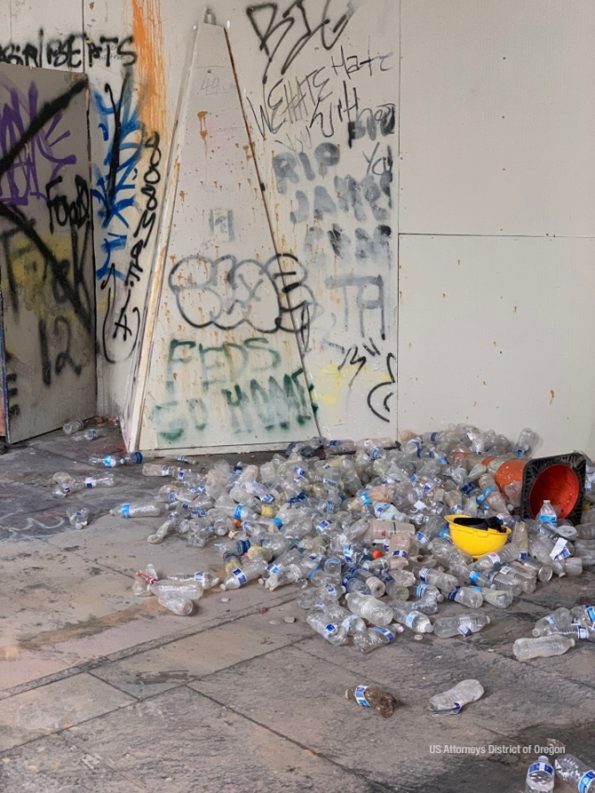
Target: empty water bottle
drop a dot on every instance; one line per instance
(467, 596)
(540, 776)
(408, 615)
(248, 571)
(547, 514)
(376, 636)
(500, 598)
(323, 624)
(560, 618)
(137, 510)
(576, 772)
(67, 483)
(177, 604)
(115, 460)
(72, 426)
(85, 435)
(541, 647)
(443, 581)
(525, 443)
(381, 701)
(78, 517)
(369, 608)
(451, 702)
(463, 625)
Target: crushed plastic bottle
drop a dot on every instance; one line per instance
(383, 702)
(451, 702)
(176, 603)
(374, 637)
(78, 517)
(575, 772)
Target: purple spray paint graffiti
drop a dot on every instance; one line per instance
(21, 180)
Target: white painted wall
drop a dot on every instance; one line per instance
(494, 169)
(497, 217)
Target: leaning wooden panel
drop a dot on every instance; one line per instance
(46, 250)
(224, 366)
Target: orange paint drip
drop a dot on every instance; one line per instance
(148, 40)
(202, 125)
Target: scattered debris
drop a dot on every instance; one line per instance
(381, 701)
(384, 537)
(451, 702)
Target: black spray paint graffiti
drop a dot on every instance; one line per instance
(226, 293)
(318, 103)
(367, 199)
(380, 396)
(74, 51)
(66, 275)
(40, 273)
(283, 36)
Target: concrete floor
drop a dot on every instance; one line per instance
(100, 691)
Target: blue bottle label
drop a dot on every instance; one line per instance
(360, 696)
(453, 595)
(267, 498)
(238, 512)
(330, 629)
(421, 588)
(464, 630)
(365, 499)
(410, 618)
(474, 576)
(239, 576)
(125, 510)
(591, 613)
(109, 461)
(278, 522)
(384, 632)
(402, 554)
(535, 767)
(584, 783)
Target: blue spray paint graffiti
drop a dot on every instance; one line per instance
(115, 181)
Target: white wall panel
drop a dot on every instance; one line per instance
(498, 117)
(499, 332)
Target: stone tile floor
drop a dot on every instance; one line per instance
(100, 691)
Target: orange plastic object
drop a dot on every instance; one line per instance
(558, 483)
(510, 472)
(377, 554)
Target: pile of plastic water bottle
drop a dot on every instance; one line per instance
(361, 527)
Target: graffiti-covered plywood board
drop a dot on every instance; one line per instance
(46, 250)
(224, 365)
